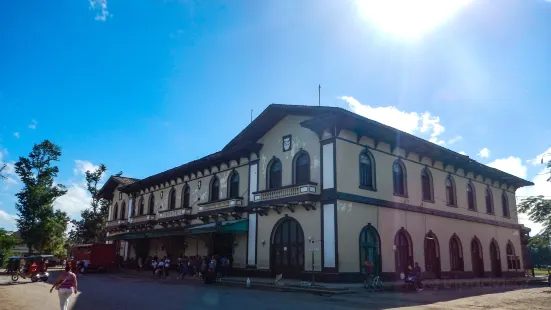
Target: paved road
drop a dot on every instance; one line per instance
(129, 292)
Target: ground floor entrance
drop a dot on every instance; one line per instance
(287, 248)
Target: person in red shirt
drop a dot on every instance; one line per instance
(32, 268)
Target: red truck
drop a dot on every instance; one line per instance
(100, 256)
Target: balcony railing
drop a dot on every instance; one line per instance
(141, 219)
(173, 213)
(286, 192)
(221, 204)
(116, 223)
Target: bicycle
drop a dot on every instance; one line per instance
(375, 285)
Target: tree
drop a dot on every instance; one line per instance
(91, 228)
(7, 242)
(538, 209)
(40, 226)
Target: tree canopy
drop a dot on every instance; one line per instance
(41, 227)
(91, 228)
(7, 242)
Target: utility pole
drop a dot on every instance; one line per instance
(319, 95)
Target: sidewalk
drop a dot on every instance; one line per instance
(345, 288)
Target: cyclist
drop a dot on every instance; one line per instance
(368, 272)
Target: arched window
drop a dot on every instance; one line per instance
(141, 206)
(172, 199)
(152, 203)
(426, 184)
(274, 174)
(456, 254)
(404, 251)
(123, 210)
(185, 197)
(233, 190)
(511, 259)
(116, 212)
(450, 191)
(302, 168)
(214, 189)
(471, 200)
(489, 201)
(399, 178)
(367, 170)
(505, 204)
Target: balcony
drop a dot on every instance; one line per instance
(221, 208)
(288, 196)
(175, 216)
(145, 220)
(117, 224)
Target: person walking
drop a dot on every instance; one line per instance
(65, 284)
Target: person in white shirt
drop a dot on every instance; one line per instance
(167, 265)
(154, 265)
(160, 268)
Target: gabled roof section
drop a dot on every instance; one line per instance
(241, 150)
(271, 116)
(112, 183)
(344, 119)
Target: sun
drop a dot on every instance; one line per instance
(408, 19)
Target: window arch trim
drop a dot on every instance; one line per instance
(505, 205)
(172, 203)
(151, 204)
(473, 191)
(295, 170)
(230, 183)
(371, 158)
(116, 211)
(403, 179)
(272, 162)
(453, 189)
(141, 206)
(489, 200)
(186, 191)
(214, 196)
(123, 211)
(431, 185)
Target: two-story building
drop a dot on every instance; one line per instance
(307, 189)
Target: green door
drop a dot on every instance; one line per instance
(370, 248)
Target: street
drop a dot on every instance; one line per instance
(118, 291)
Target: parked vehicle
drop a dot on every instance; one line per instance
(100, 257)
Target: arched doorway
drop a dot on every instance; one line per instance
(495, 259)
(287, 248)
(370, 248)
(432, 255)
(404, 251)
(477, 258)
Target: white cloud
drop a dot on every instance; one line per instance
(100, 7)
(436, 141)
(81, 166)
(484, 153)
(462, 153)
(512, 165)
(33, 124)
(75, 200)
(455, 139)
(16, 134)
(12, 177)
(541, 158)
(7, 220)
(410, 122)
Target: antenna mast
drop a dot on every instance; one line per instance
(319, 95)
(251, 115)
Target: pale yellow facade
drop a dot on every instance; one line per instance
(325, 216)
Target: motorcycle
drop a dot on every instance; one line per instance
(40, 276)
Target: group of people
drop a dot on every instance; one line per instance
(193, 266)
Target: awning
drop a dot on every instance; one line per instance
(233, 226)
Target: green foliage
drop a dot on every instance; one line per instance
(540, 251)
(3, 176)
(7, 242)
(539, 211)
(91, 228)
(40, 226)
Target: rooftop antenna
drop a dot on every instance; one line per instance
(319, 95)
(251, 115)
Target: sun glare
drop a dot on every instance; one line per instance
(409, 19)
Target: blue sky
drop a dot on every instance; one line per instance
(143, 86)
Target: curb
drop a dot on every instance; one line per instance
(271, 287)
